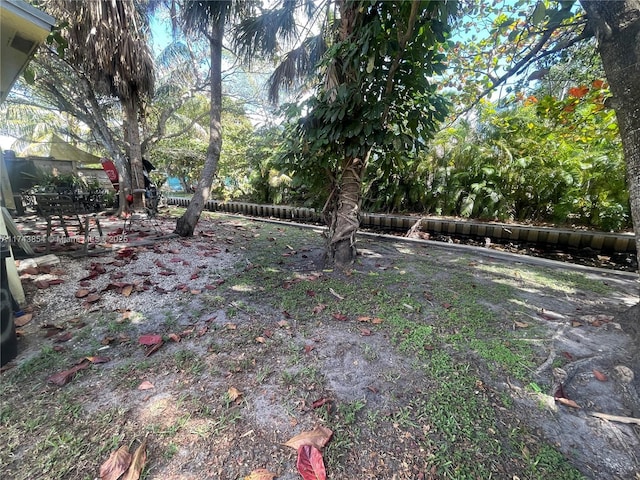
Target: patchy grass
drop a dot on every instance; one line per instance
(434, 337)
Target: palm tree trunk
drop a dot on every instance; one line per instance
(186, 224)
(343, 214)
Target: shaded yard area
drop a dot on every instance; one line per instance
(426, 361)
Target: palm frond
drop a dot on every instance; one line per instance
(263, 34)
(297, 64)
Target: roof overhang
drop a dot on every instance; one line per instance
(22, 29)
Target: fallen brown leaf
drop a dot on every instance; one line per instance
(318, 437)
(567, 402)
(116, 465)
(22, 320)
(146, 385)
(64, 377)
(260, 474)
(138, 462)
(234, 394)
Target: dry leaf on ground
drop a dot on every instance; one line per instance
(138, 462)
(318, 437)
(234, 393)
(146, 385)
(116, 465)
(261, 474)
(601, 377)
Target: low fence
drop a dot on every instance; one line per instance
(497, 232)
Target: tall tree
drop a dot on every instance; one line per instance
(373, 93)
(208, 18)
(617, 29)
(109, 39)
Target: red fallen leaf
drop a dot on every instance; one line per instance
(160, 289)
(175, 260)
(308, 348)
(365, 332)
(340, 316)
(55, 281)
(117, 463)
(167, 273)
(447, 306)
(42, 284)
(58, 348)
(64, 377)
(30, 271)
(267, 333)
(84, 283)
(567, 355)
(137, 463)
(311, 293)
(143, 274)
(203, 330)
(320, 402)
(210, 287)
(601, 377)
(372, 389)
(194, 276)
(126, 252)
(158, 263)
(65, 337)
(310, 463)
(174, 337)
(117, 275)
(45, 269)
(150, 339)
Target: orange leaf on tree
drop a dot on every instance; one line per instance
(579, 92)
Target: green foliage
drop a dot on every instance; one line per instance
(374, 92)
(547, 160)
